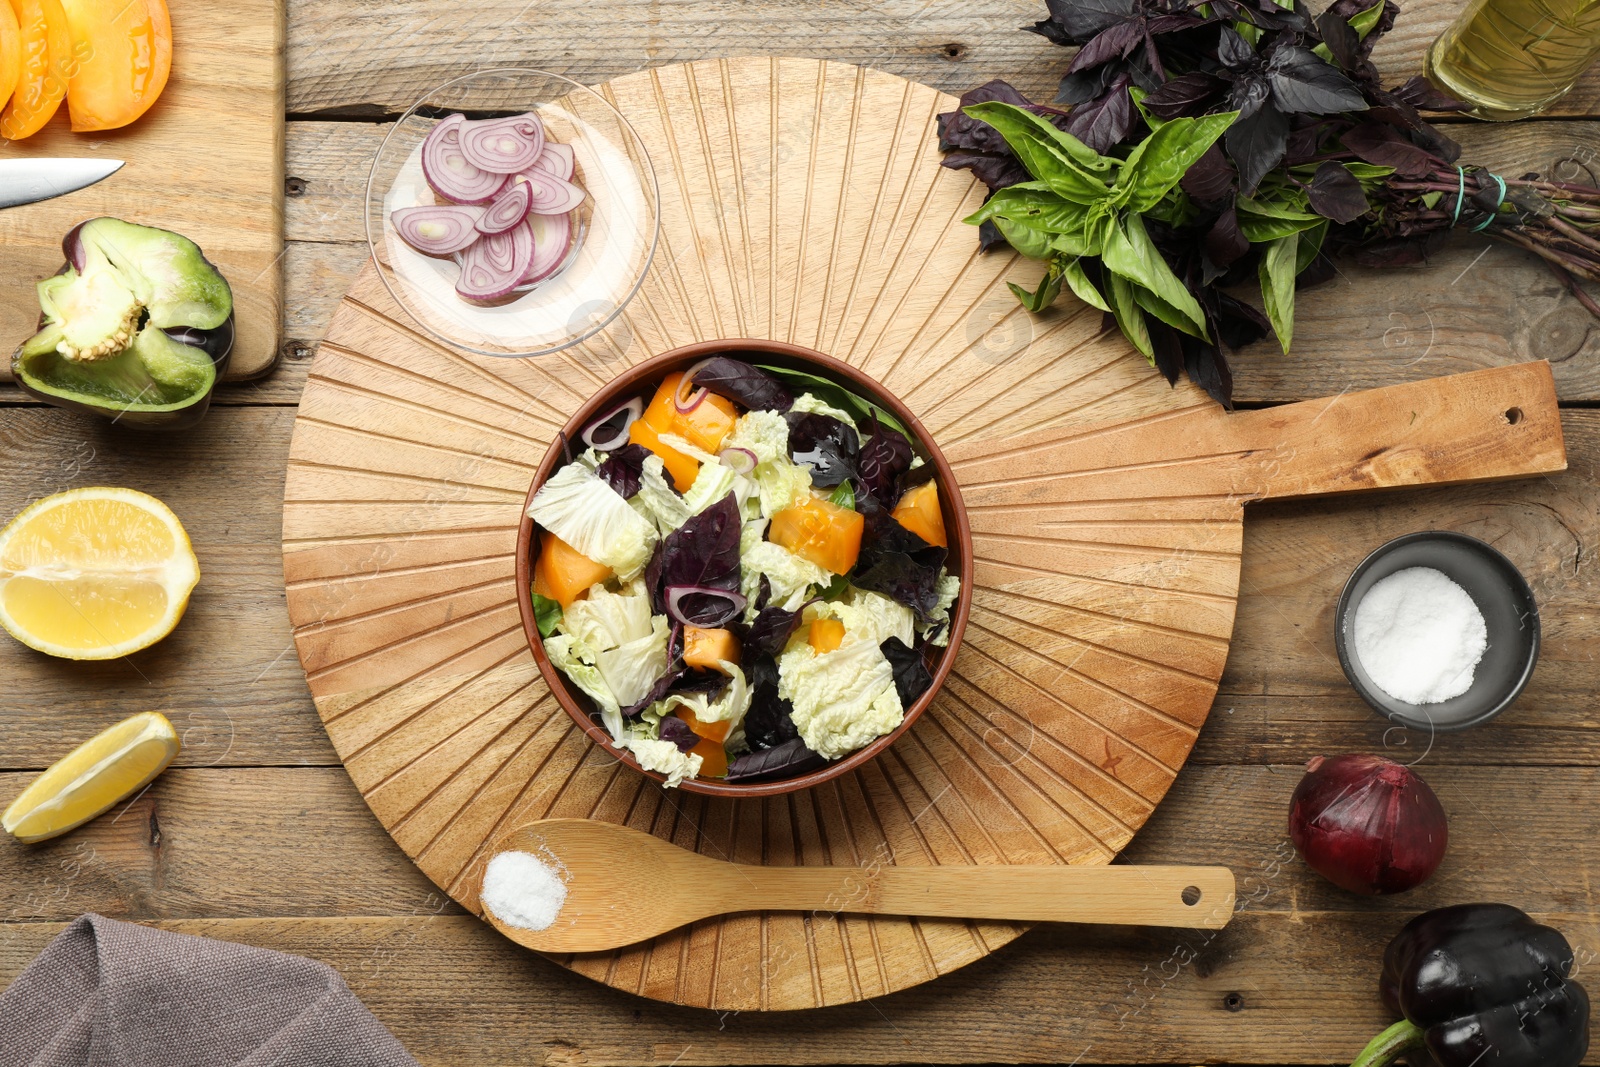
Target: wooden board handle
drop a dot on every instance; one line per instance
(1497, 423)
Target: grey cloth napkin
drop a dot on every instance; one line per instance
(114, 994)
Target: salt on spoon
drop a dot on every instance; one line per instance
(1419, 636)
(524, 890)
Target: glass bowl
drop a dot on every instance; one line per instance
(617, 224)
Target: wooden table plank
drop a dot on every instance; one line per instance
(313, 848)
(1274, 987)
(372, 56)
(230, 673)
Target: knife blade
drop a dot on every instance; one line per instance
(27, 181)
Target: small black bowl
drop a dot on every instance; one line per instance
(1501, 594)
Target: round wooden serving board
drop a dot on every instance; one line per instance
(803, 201)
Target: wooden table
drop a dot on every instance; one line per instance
(258, 835)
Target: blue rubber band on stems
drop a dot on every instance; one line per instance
(1461, 198)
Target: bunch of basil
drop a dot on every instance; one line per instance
(1209, 146)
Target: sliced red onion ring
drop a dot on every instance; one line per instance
(494, 265)
(449, 171)
(740, 460)
(503, 146)
(552, 195)
(686, 404)
(437, 229)
(509, 208)
(557, 159)
(710, 608)
(610, 432)
(552, 236)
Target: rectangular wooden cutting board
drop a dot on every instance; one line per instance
(206, 161)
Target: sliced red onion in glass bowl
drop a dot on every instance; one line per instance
(509, 208)
(552, 240)
(503, 146)
(557, 159)
(448, 171)
(493, 266)
(552, 195)
(703, 605)
(611, 431)
(438, 230)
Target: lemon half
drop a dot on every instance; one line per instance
(112, 765)
(95, 573)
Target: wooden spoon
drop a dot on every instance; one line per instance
(625, 886)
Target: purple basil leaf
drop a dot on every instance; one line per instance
(1233, 51)
(885, 456)
(1185, 95)
(1341, 39)
(1305, 141)
(1086, 85)
(911, 676)
(1237, 323)
(824, 444)
(788, 760)
(1102, 123)
(1386, 146)
(896, 562)
(763, 594)
(1303, 82)
(769, 722)
(992, 169)
(959, 130)
(1167, 346)
(989, 236)
(1420, 93)
(703, 551)
(623, 468)
(772, 629)
(1210, 178)
(1083, 19)
(1336, 193)
(678, 732)
(1257, 138)
(1112, 43)
(705, 606)
(1208, 369)
(739, 381)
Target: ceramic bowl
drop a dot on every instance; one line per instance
(1501, 594)
(641, 380)
(617, 224)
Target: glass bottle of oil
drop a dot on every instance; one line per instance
(1514, 58)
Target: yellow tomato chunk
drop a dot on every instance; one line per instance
(709, 649)
(918, 511)
(826, 635)
(564, 574)
(821, 532)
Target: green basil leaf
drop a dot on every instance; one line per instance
(1130, 253)
(1269, 209)
(546, 614)
(1259, 231)
(1125, 307)
(1078, 281)
(1309, 245)
(843, 496)
(1031, 242)
(1363, 21)
(1012, 120)
(860, 409)
(1138, 96)
(1166, 312)
(1277, 286)
(1160, 160)
(1045, 295)
(1039, 209)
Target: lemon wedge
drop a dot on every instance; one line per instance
(95, 573)
(107, 768)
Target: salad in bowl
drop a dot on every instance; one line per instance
(743, 568)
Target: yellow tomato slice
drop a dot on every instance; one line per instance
(10, 52)
(122, 56)
(42, 82)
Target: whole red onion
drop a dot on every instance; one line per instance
(1367, 824)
